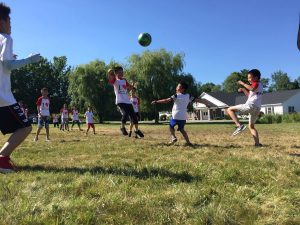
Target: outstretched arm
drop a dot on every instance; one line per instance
(16, 64)
(166, 100)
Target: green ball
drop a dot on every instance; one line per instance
(144, 39)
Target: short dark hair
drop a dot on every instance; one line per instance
(255, 73)
(118, 68)
(184, 85)
(4, 12)
(44, 89)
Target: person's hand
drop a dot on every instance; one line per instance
(110, 74)
(241, 82)
(153, 102)
(39, 115)
(240, 90)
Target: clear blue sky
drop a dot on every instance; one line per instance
(217, 36)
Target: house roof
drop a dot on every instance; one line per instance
(268, 98)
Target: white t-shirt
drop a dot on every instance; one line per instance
(44, 105)
(6, 53)
(64, 113)
(181, 101)
(135, 103)
(75, 115)
(89, 117)
(254, 97)
(120, 88)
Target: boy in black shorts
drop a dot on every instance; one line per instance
(12, 118)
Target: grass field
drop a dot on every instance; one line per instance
(110, 179)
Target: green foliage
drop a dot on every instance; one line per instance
(89, 87)
(29, 80)
(281, 81)
(209, 87)
(230, 83)
(285, 118)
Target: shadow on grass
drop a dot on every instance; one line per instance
(199, 146)
(73, 140)
(295, 154)
(144, 173)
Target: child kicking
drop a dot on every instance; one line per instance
(179, 111)
(254, 91)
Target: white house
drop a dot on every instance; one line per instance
(278, 102)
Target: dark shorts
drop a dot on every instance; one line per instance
(44, 121)
(137, 114)
(127, 111)
(90, 125)
(179, 123)
(12, 118)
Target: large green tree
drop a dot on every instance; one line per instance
(28, 81)
(156, 75)
(230, 83)
(281, 81)
(89, 87)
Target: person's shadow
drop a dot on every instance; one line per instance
(143, 173)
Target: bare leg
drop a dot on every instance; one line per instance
(254, 133)
(15, 140)
(94, 129)
(185, 135)
(130, 127)
(47, 134)
(172, 131)
(37, 133)
(231, 113)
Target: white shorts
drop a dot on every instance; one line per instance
(251, 110)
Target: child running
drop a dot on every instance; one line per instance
(136, 106)
(75, 118)
(12, 118)
(179, 111)
(121, 86)
(254, 91)
(43, 104)
(89, 116)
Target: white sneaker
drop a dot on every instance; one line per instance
(35, 139)
(239, 130)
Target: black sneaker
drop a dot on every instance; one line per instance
(239, 130)
(123, 131)
(258, 145)
(130, 132)
(139, 133)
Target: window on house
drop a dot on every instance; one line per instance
(291, 109)
(205, 113)
(270, 110)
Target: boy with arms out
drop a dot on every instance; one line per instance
(254, 91)
(121, 86)
(13, 120)
(75, 118)
(179, 111)
(43, 105)
(89, 116)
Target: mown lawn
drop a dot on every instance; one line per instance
(110, 179)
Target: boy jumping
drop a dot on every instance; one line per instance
(254, 91)
(12, 118)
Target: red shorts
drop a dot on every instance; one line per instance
(91, 125)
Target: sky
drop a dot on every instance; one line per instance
(217, 37)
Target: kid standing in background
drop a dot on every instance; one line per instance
(55, 121)
(64, 115)
(136, 106)
(75, 118)
(89, 116)
(254, 91)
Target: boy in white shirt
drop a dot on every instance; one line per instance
(179, 111)
(75, 118)
(43, 105)
(121, 88)
(89, 116)
(12, 118)
(136, 107)
(254, 91)
(64, 115)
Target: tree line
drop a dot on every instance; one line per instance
(155, 74)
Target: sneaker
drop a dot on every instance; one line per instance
(239, 130)
(139, 133)
(172, 141)
(188, 144)
(130, 132)
(6, 165)
(35, 139)
(258, 145)
(123, 131)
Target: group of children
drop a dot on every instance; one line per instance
(14, 121)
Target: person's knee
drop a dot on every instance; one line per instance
(251, 126)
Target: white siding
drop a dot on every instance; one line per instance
(293, 101)
(272, 109)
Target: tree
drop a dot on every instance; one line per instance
(29, 80)
(156, 74)
(88, 86)
(281, 81)
(210, 87)
(230, 83)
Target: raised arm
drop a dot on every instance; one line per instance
(16, 64)
(246, 92)
(247, 86)
(162, 101)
